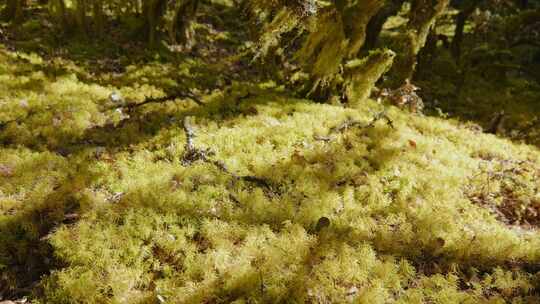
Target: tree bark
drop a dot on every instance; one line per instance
(461, 20)
(99, 16)
(153, 13)
(184, 16)
(57, 8)
(13, 12)
(80, 16)
(375, 25)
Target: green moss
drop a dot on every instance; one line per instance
(193, 234)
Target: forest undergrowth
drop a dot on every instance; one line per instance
(135, 175)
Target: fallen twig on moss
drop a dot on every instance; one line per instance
(17, 120)
(119, 103)
(193, 154)
(166, 98)
(351, 123)
(130, 105)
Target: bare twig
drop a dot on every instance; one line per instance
(345, 125)
(130, 105)
(17, 120)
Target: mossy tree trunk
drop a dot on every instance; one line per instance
(330, 53)
(422, 17)
(153, 11)
(98, 16)
(13, 11)
(362, 77)
(375, 25)
(461, 19)
(57, 9)
(336, 37)
(356, 17)
(181, 28)
(80, 16)
(426, 55)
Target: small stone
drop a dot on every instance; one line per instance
(352, 291)
(116, 97)
(57, 122)
(24, 103)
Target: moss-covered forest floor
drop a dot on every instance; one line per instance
(130, 175)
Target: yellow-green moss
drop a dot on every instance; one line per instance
(403, 227)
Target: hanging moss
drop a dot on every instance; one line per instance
(324, 49)
(337, 32)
